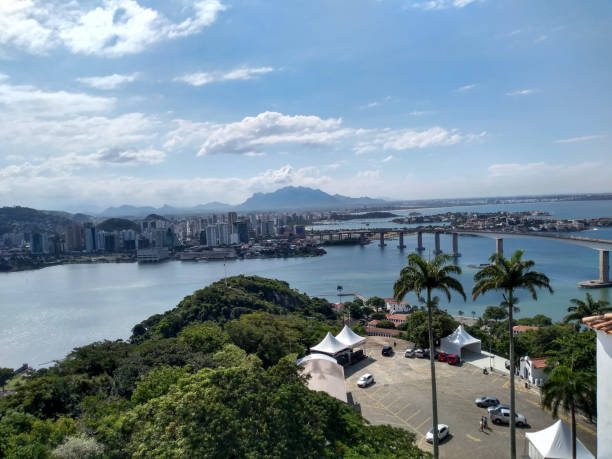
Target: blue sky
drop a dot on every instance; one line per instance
(108, 102)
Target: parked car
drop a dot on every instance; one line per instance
(410, 352)
(365, 380)
(497, 407)
(424, 354)
(418, 353)
(507, 364)
(387, 350)
(443, 432)
(442, 356)
(483, 402)
(453, 359)
(502, 416)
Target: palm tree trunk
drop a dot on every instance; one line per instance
(434, 399)
(512, 396)
(573, 433)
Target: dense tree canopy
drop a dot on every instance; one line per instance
(214, 377)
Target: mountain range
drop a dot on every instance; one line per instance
(287, 198)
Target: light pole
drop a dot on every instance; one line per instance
(339, 289)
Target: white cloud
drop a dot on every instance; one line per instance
(585, 138)
(45, 190)
(540, 38)
(465, 88)
(108, 82)
(78, 134)
(387, 159)
(370, 175)
(243, 73)
(442, 4)
(108, 28)
(29, 99)
(270, 130)
(521, 92)
(407, 139)
(421, 112)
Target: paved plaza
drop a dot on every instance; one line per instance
(401, 397)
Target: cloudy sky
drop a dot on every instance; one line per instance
(147, 102)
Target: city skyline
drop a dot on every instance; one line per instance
(186, 102)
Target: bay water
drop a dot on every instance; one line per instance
(46, 313)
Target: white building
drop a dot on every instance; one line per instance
(223, 233)
(603, 326)
(212, 236)
(152, 254)
(395, 307)
(533, 370)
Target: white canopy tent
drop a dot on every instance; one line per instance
(349, 338)
(555, 442)
(326, 376)
(315, 356)
(459, 340)
(329, 345)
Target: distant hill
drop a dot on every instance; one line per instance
(118, 224)
(27, 219)
(288, 198)
(292, 197)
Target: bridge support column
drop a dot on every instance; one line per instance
(401, 240)
(456, 245)
(437, 243)
(499, 246)
(382, 239)
(420, 247)
(604, 266)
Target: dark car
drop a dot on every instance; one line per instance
(442, 356)
(387, 350)
(484, 402)
(425, 354)
(453, 359)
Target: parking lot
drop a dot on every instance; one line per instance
(401, 397)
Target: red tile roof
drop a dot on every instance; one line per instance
(523, 328)
(538, 362)
(401, 317)
(387, 331)
(601, 323)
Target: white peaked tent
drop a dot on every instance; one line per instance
(349, 337)
(555, 442)
(315, 356)
(459, 340)
(329, 345)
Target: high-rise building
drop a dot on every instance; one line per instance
(223, 233)
(231, 219)
(242, 230)
(212, 237)
(73, 234)
(90, 237)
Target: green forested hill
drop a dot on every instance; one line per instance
(214, 377)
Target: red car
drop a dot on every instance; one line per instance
(442, 356)
(453, 359)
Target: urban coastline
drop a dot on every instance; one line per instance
(42, 239)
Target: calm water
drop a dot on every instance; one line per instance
(48, 312)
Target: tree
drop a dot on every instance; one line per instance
(494, 313)
(376, 302)
(586, 308)
(385, 324)
(5, 375)
(571, 391)
(460, 312)
(509, 275)
(79, 448)
(207, 337)
(421, 275)
(417, 331)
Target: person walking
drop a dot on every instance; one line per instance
(481, 426)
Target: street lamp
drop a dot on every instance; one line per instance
(339, 289)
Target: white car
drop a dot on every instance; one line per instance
(502, 416)
(365, 380)
(443, 432)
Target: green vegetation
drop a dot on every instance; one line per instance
(376, 302)
(417, 331)
(589, 307)
(494, 313)
(385, 324)
(510, 275)
(5, 375)
(214, 377)
(421, 275)
(571, 391)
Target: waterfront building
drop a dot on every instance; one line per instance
(232, 217)
(393, 306)
(212, 237)
(152, 254)
(223, 233)
(74, 237)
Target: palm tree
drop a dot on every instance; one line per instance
(586, 308)
(460, 312)
(570, 390)
(422, 275)
(509, 275)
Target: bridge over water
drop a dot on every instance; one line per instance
(603, 246)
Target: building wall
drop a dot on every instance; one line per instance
(604, 395)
